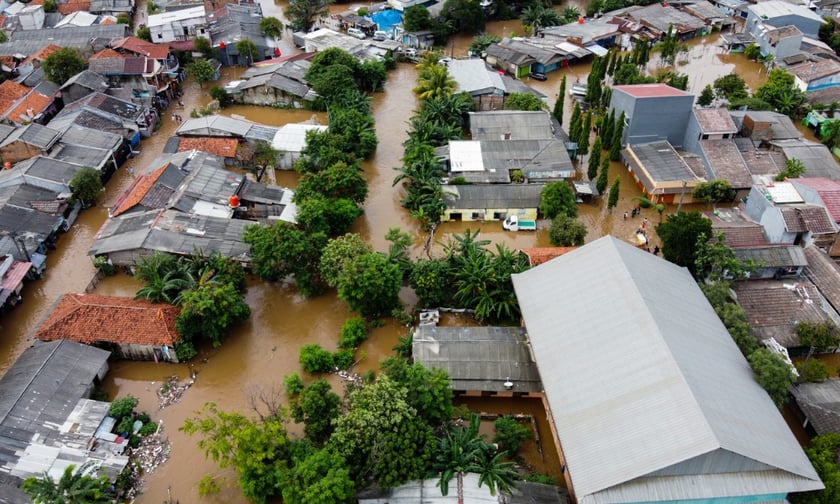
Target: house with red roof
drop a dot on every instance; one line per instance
(134, 329)
(148, 77)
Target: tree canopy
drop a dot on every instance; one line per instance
(558, 198)
(271, 26)
(62, 64)
(74, 486)
(86, 185)
(773, 373)
(567, 231)
(370, 284)
(202, 71)
(679, 234)
(302, 14)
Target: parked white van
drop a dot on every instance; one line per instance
(355, 32)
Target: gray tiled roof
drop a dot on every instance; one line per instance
(520, 124)
(773, 256)
(493, 196)
(69, 36)
(88, 79)
(825, 273)
(821, 404)
(33, 134)
(79, 135)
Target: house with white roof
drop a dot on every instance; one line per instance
(778, 13)
(650, 400)
(183, 24)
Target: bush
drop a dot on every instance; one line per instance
(816, 371)
(126, 425)
(144, 417)
(123, 407)
(293, 383)
(545, 479)
(510, 434)
(567, 231)
(343, 359)
(353, 333)
(148, 429)
(315, 359)
(219, 94)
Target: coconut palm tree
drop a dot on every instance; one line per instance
(435, 81)
(74, 487)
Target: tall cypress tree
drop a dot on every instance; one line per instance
(614, 55)
(606, 97)
(561, 101)
(594, 159)
(607, 127)
(618, 132)
(574, 123)
(583, 141)
(613, 201)
(603, 176)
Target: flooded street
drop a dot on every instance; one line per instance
(262, 351)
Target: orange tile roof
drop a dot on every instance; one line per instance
(92, 318)
(223, 147)
(141, 47)
(42, 53)
(539, 255)
(108, 21)
(107, 53)
(32, 105)
(2, 20)
(71, 6)
(10, 92)
(137, 191)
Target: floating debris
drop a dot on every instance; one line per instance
(153, 451)
(172, 390)
(350, 376)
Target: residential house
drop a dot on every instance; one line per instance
(660, 172)
(815, 157)
(278, 84)
(134, 329)
(167, 72)
(787, 218)
(712, 16)
(78, 19)
(233, 23)
(29, 71)
(773, 307)
(183, 24)
(710, 134)
(49, 420)
(760, 161)
(670, 387)
(763, 126)
(519, 57)
(501, 161)
(824, 273)
(485, 86)
(24, 247)
(779, 13)
(115, 8)
(12, 273)
(778, 43)
(220, 126)
(324, 38)
(225, 148)
(472, 491)
(818, 406)
(31, 17)
(291, 140)
(107, 113)
(738, 230)
(604, 31)
(736, 42)
(88, 39)
(116, 147)
(480, 361)
(539, 255)
(142, 77)
(28, 141)
(68, 7)
(820, 191)
(422, 39)
(83, 84)
(491, 202)
(773, 260)
(659, 18)
(652, 112)
(519, 124)
(816, 74)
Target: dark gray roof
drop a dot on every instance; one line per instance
(106, 6)
(80, 135)
(45, 168)
(108, 104)
(223, 126)
(30, 197)
(818, 160)
(70, 36)
(236, 22)
(493, 196)
(781, 127)
(20, 220)
(287, 76)
(821, 404)
(478, 358)
(261, 193)
(33, 134)
(5, 131)
(772, 256)
(92, 118)
(88, 79)
(660, 161)
(86, 156)
(521, 125)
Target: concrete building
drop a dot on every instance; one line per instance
(670, 412)
(661, 172)
(491, 202)
(778, 43)
(778, 13)
(652, 112)
(816, 74)
(787, 218)
(184, 24)
(710, 134)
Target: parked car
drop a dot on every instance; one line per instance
(355, 32)
(380, 35)
(538, 76)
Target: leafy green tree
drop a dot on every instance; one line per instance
(210, 310)
(822, 336)
(733, 316)
(321, 477)
(73, 487)
(606, 129)
(558, 198)
(575, 124)
(752, 52)
(332, 217)
(353, 333)
(617, 139)
(829, 133)
(524, 101)
(371, 75)
(282, 250)
(221, 95)
(86, 185)
(464, 15)
(716, 261)
(822, 453)
(417, 18)
(435, 81)
(669, 46)
(272, 27)
(123, 407)
(603, 176)
(707, 96)
(428, 391)
(561, 101)
(336, 182)
(257, 450)
(381, 436)
(302, 14)
(144, 33)
(731, 86)
(714, 191)
(481, 42)
(510, 434)
(356, 129)
(314, 359)
(781, 93)
(62, 64)
(567, 231)
(370, 285)
(585, 130)
(202, 71)
(538, 16)
(50, 5)
(794, 168)
(203, 46)
(317, 407)
(813, 371)
(337, 253)
(430, 279)
(594, 159)
(772, 373)
(613, 198)
(679, 235)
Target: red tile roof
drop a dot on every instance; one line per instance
(107, 53)
(651, 90)
(29, 107)
(71, 6)
(14, 275)
(10, 93)
(828, 190)
(143, 48)
(539, 255)
(223, 147)
(92, 318)
(138, 189)
(42, 53)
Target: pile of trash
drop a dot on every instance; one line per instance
(354, 378)
(172, 389)
(153, 451)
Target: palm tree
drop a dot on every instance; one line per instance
(495, 471)
(436, 81)
(74, 487)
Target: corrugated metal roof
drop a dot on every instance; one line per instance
(651, 382)
(473, 76)
(821, 404)
(493, 196)
(520, 124)
(479, 358)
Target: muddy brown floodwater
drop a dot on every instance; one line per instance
(262, 351)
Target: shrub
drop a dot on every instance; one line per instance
(126, 425)
(293, 383)
(315, 359)
(148, 429)
(353, 333)
(343, 359)
(510, 434)
(123, 407)
(219, 94)
(816, 371)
